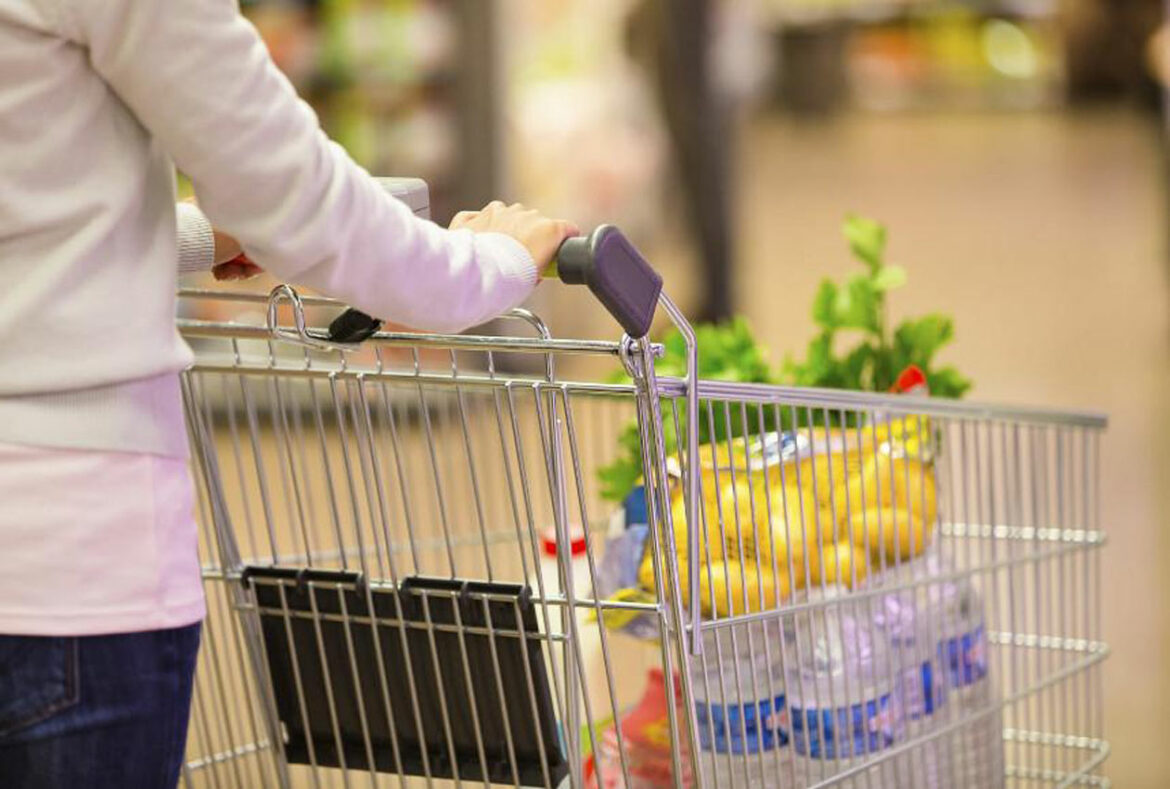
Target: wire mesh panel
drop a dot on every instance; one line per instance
(415, 577)
(430, 481)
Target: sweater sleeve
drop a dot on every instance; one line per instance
(199, 78)
(196, 239)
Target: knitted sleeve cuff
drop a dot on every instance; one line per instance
(196, 239)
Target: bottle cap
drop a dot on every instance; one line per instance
(911, 381)
(577, 545)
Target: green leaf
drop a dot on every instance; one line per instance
(918, 340)
(824, 305)
(867, 240)
(856, 365)
(820, 354)
(888, 278)
(858, 305)
(947, 382)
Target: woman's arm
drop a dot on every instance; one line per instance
(197, 75)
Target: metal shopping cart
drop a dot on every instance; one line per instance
(832, 588)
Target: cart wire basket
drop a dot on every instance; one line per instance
(413, 578)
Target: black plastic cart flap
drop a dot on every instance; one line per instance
(447, 676)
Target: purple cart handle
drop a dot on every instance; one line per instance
(621, 279)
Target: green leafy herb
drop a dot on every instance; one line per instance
(867, 240)
(854, 309)
(727, 352)
(621, 476)
(857, 309)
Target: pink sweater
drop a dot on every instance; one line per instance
(99, 100)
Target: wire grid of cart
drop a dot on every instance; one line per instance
(371, 522)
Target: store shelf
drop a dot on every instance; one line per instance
(795, 13)
(926, 55)
(404, 85)
(399, 83)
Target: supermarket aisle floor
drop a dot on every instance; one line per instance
(1045, 237)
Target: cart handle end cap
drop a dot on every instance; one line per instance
(353, 326)
(616, 272)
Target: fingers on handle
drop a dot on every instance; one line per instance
(463, 217)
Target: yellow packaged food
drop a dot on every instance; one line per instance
(896, 534)
(908, 435)
(799, 525)
(741, 505)
(714, 542)
(646, 572)
(732, 588)
(764, 588)
(901, 483)
(842, 562)
(716, 461)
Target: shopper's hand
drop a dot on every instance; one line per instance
(540, 235)
(239, 267)
(230, 261)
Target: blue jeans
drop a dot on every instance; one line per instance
(99, 712)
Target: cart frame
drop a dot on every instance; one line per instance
(1023, 503)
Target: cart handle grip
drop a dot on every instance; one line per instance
(604, 261)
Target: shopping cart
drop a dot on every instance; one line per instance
(410, 568)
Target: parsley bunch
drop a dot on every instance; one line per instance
(857, 309)
(854, 309)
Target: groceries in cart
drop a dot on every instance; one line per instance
(811, 507)
(810, 515)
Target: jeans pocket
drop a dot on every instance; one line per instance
(38, 679)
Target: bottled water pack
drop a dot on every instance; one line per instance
(867, 674)
(845, 685)
(738, 686)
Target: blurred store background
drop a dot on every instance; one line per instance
(1016, 149)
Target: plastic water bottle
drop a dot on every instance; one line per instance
(738, 686)
(843, 699)
(912, 623)
(949, 613)
(963, 654)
